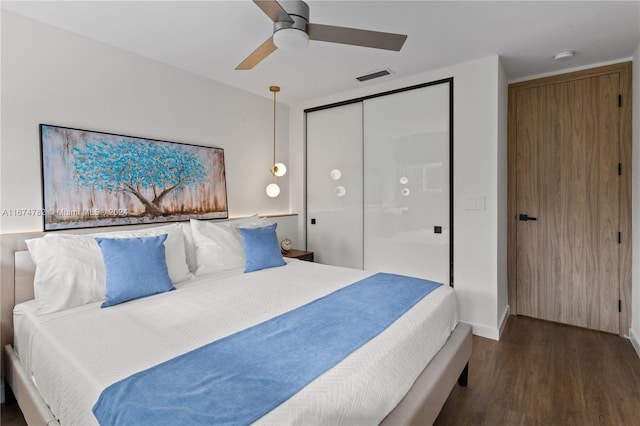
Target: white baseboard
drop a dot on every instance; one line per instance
(484, 331)
(503, 320)
(489, 332)
(635, 341)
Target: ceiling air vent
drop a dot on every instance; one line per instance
(375, 74)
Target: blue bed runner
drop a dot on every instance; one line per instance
(241, 377)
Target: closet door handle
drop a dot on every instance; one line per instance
(524, 217)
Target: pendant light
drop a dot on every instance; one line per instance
(278, 169)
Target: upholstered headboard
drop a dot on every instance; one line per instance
(18, 270)
(10, 244)
(24, 273)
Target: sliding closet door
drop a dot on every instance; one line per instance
(406, 183)
(334, 185)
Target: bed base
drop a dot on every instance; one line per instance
(33, 407)
(420, 406)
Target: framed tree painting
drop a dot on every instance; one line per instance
(92, 179)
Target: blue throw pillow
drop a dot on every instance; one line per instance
(261, 248)
(136, 267)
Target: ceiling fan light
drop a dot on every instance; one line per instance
(290, 39)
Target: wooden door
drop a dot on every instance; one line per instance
(568, 202)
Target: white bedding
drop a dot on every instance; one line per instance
(73, 354)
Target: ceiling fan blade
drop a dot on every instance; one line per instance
(264, 50)
(273, 10)
(356, 37)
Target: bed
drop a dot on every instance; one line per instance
(60, 363)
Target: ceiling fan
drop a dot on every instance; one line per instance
(292, 30)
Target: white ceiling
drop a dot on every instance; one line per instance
(210, 38)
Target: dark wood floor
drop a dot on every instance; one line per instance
(10, 415)
(543, 373)
(539, 373)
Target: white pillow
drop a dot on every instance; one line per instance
(70, 270)
(189, 246)
(219, 244)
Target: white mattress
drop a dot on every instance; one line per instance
(73, 355)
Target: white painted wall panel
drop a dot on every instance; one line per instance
(477, 268)
(57, 77)
(634, 333)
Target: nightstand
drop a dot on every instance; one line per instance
(300, 254)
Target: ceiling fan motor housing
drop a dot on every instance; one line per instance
(298, 11)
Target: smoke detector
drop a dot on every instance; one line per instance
(565, 54)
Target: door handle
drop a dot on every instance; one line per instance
(524, 217)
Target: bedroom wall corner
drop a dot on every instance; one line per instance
(502, 217)
(635, 341)
(297, 155)
(634, 332)
(54, 76)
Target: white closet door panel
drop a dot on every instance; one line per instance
(406, 183)
(334, 185)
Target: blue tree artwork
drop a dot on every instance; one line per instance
(99, 179)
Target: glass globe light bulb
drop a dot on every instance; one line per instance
(273, 190)
(279, 169)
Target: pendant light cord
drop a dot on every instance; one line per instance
(274, 129)
(275, 90)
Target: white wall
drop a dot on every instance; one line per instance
(480, 124)
(634, 332)
(57, 77)
(502, 219)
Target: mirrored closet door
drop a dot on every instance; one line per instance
(378, 183)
